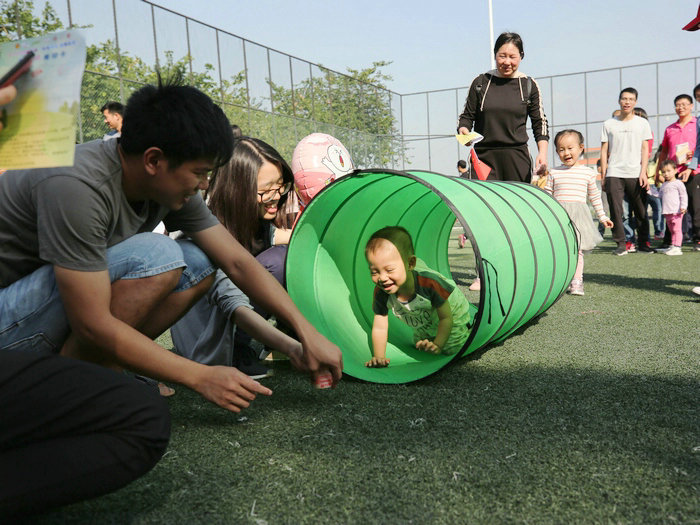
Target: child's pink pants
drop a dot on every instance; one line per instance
(674, 222)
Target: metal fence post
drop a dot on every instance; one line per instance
(119, 57)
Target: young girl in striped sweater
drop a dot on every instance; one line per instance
(570, 184)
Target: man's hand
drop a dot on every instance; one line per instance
(7, 95)
(428, 346)
(684, 175)
(644, 180)
(377, 362)
(228, 387)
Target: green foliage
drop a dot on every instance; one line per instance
(356, 108)
(17, 20)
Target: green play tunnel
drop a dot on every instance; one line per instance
(524, 243)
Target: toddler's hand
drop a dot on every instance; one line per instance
(428, 346)
(377, 362)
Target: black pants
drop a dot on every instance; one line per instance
(616, 188)
(511, 164)
(71, 430)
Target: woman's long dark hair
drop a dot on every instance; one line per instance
(232, 194)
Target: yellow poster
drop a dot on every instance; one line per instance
(40, 124)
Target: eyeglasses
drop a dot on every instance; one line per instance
(270, 195)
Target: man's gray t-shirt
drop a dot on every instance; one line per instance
(69, 216)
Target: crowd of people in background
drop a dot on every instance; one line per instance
(631, 176)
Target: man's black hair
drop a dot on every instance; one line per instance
(681, 97)
(180, 120)
(462, 164)
(630, 90)
(113, 107)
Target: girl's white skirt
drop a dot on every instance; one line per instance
(588, 235)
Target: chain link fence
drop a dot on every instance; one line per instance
(281, 98)
(581, 101)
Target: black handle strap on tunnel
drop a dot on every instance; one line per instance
(498, 293)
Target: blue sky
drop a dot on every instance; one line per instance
(445, 43)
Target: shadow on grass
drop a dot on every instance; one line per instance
(525, 444)
(652, 284)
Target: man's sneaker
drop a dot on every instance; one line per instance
(620, 250)
(630, 247)
(246, 360)
(663, 248)
(674, 250)
(645, 248)
(658, 237)
(576, 287)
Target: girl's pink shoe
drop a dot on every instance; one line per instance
(476, 285)
(462, 240)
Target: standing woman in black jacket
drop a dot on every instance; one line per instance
(497, 107)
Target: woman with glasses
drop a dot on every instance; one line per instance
(249, 197)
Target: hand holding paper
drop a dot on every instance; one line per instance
(469, 139)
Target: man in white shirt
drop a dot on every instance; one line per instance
(624, 155)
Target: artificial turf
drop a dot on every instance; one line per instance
(590, 414)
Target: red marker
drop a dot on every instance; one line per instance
(19, 69)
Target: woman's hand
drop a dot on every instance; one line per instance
(464, 131)
(318, 353)
(541, 164)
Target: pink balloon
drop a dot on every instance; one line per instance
(317, 161)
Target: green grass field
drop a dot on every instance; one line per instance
(591, 414)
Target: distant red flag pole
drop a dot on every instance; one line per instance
(694, 24)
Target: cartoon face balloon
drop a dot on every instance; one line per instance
(317, 161)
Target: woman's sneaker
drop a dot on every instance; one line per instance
(576, 287)
(674, 250)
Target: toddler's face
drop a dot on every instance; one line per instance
(669, 172)
(387, 267)
(569, 149)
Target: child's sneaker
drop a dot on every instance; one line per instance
(576, 287)
(674, 250)
(476, 285)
